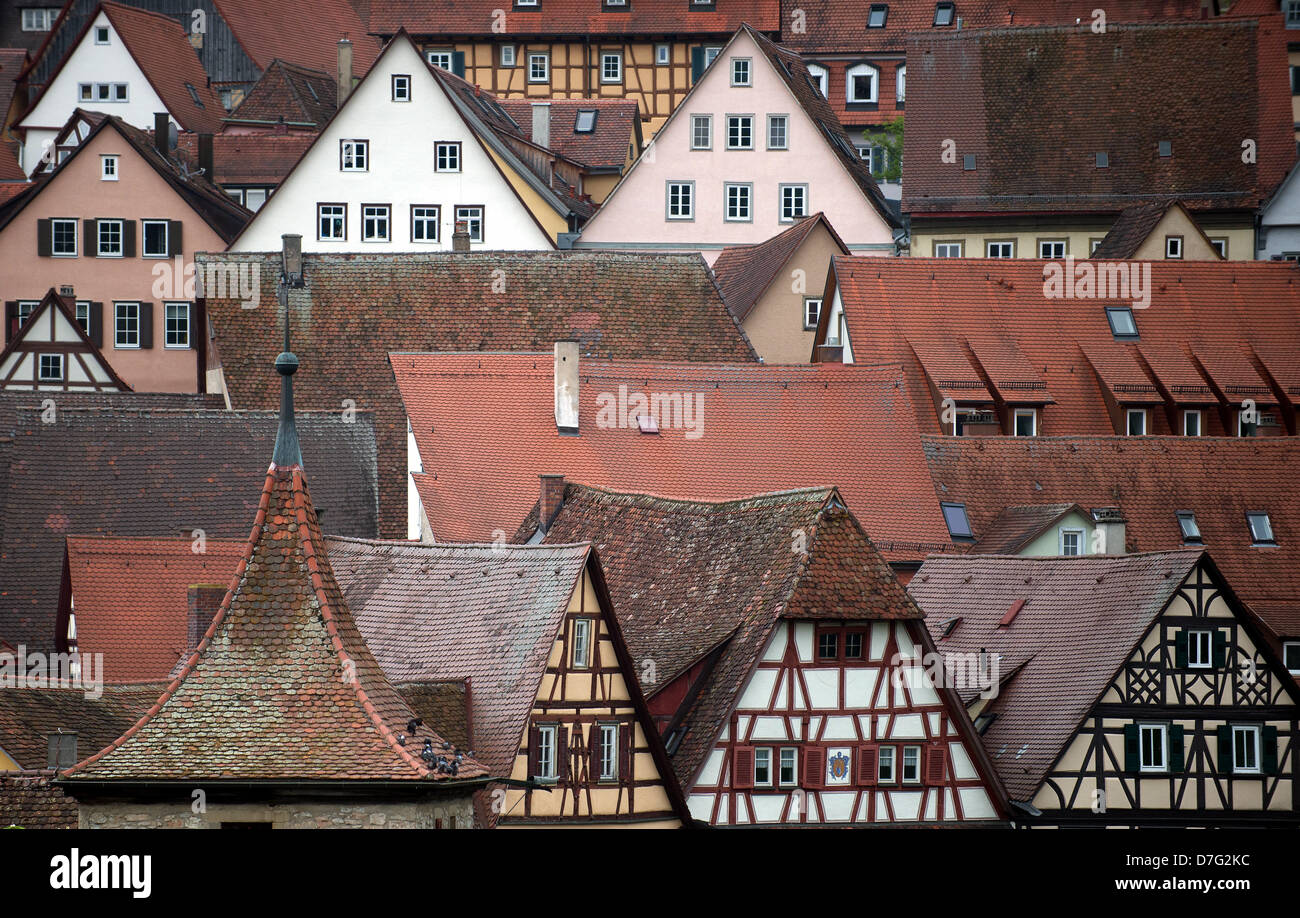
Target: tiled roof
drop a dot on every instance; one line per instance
(1201, 86)
(28, 716)
(251, 159)
(131, 470)
(445, 705)
(619, 306)
(12, 62)
(687, 576)
(618, 127)
(1131, 228)
(571, 17)
(995, 315)
(1148, 479)
(1052, 686)
(483, 613)
(485, 426)
(295, 94)
(1015, 527)
(30, 801)
(745, 272)
(282, 686)
(301, 32)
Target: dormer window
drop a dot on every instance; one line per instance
(877, 15)
(1188, 526)
(1122, 323)
(819, 76)
(1136, 422)
(615, 4)
(943, 14)
(954, 515)
(861, 82)
(1261, 528)
(585, 123)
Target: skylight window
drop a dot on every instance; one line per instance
(877, 15)
(958, 523)
(943, 14)
(194, 94)
(1103, 160)
(585, 122)
(1187, 523)
(1261, 528)
(1165, 148)
(1122, 323)
(968, 162)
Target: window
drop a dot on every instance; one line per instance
(958, 523)
(102, 92)
(109, 236)
(581, 643)
(740, 132)
(885, 773)
(1071, 543)
(1051, 248)
(1292, 9)
(546, 758)
(828, 645)
(681, 200)
(1173, 247)
(1261, 528)
(860, 83)
(331, 222)
(101, 35)
(1200, 649)
(61, 751)
(789, 767)
(711, 53)
(778, 132)
(663, 55)
(611, 67)
(424, 223)
(401, 87)
(83, 315)
(763, 766)
(126, 325)
(874, 157)
(900, 85)
(177, 332)
(446, 157)
(1188, 526)
(1220, 246)
(1122, 323)
(51, 368)
(794, 202)
(738, 202)
(607, 751)
(1291, 656)
(1165, 148)
(1245, 750)
(947, 250)
(527, 3)
(155, 239)
(701, 132)
(25, 309)
(1103, 160)
(1191, 423)
(741, 71)
(254, 198)
(354, 155)
(539, 67)
(812, 311)
(472, 218)
(64, 241)
(876, 15)
(1152, 739)
(585, 121)
(39, 20)
(1001, 249)
(911, 764)
(375, 223)
(441, 59)
(507, 55)
(108, 168)
(820, 77)
(968, 162)
(1026, 422)
(943, 14)
(1136, 422)
(853, 645)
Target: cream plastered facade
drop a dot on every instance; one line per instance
(1080, 237)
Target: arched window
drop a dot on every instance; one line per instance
(862, 83)
(821, 76)
(901, 89)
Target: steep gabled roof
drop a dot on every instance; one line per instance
(745, 272)
(1015, 527)
(251, 159)
(617, 128)
(301, 32)
(12, 63)
(1134, 225)
(288, 92)
(55, 321)
(572, 17)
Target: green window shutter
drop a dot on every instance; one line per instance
(1225, 749)
(1268, 750)
(1180, 649)
(1176, 760)
(1220, 650)
(44, 238)
(458, 63)
(1132, 750)
(697, 64)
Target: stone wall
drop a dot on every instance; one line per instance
(447, 813)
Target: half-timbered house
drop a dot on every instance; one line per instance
(1132, 690)
(58, 350)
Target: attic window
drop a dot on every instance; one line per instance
(950, 626)
(877, 15)
(62, 750)
(1122, 323)
(968, 162)
(954, 515)
(1187, 523)
(1103, 160)
(1166, 148)
(1261, 528)
(194, 95)
(101, 35)
(585, 122)
(983, 722)
(943, 14)
(311, 88)
(647, 424)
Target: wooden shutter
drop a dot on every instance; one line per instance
(625, 733)
(742, 767)
(868, 765)
(936, 764)
(562, 752)
(1225, 749)
(534, 746)
(814, 767)
(1268, 750)
(90, 238)
(146, 325)
(96, 330)
(458, 63)
(1176, 761)
(1180, 649)
(697, 64)
(1220, 650)
(128, 239)
(1132, 749)
(175, 241)
(44, 238)
(11, 320)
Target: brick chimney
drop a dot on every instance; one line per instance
(460, 238)
(204, 601)
(344, 71)
(1111, 524)
(566, 387)
(206, 159)
(161, 130)
(542, 124)
(552, 499)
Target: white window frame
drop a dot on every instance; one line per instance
(790, 754)
(900, 85)
(607, 752)
(1047, 248)
(427, 219)
(472, 215)
(663, 55)
(686, 213)
(167, 330)
(41, 375)
(106, 32)
(545, 58)
(582, 631)
(1078, 535)
(447, 54)
(401, 80)
(359, 151)
(911, 752)
(341, 217)
(547, 752)
(41, 18)
(765, 753)
(1032, 414)
(1010, 248)
(81, 313)
(25, 310)
(740, 121)
(118, 343)
(54, 225)
(857, 70)
(1200, 648)
(1174, 247)
(1129, 415)
(1189, 413)
(781, 202)
(821, 75)
(707, 122)
(1162, 730)
(1291, 653)
(144, 239)
(1255, 733)
(887, 765)
(380, 214)
(606, 78)
(110, 167)
(784, 121)
(507, 55)
(100, 226)
(745, 63)
(810, 322)
(1220, 245)
(446, 146)
(745, 190)
(944, 249)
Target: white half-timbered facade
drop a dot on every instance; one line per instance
(52, 350)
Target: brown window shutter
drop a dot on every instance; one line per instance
(96, 332)
(11, 320)
(814, 767)
(562, 752)
(175, 241)
(128, 238)
(90, 238)
(44, 238)
(146, 325)
(936, 764)
(742, 767)
(625, 734)
(868, 765)
(534, 744)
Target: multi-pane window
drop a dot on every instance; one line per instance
(401, 87)
(812, 311)
(447, 157)
(177, 317)
(507, 55)
(701, 132)
(763, 766)
(1152, 747)
(778, 132)
(440, 59)
(1003, 249)
(740, 132)
(331, 222)
(25, 310)
(108, 168)
(828, 645)
(1200, 649)
(1051, 248)
(911, 764)
(375, 223)
(102, 92)
(1071, 542)
(1245, 749)
(607, 749)
(681, 200)
(472, 219)
(794, 202)
(947, 250)
(126, 324)
(1291, 656)
(354, 155)
(424, 223)
(581, 643)
(546, 757)
(155, 238)
(739, 207)
(853, 645)
(663, 55)
(885, 772)
(39, 19)
(51, 368)
(539, 68)
(788, 767)
(1292, 10)
(83, 315)
(741, 70)
(109, 238)
(611, 67)
(64, 237)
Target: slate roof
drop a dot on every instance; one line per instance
(688, 576)
(1015, 527)
(298, 95)
(762, 427)
(99, 471)
(571, 17)
(745, 272)
(1202, 86)
(30, 801)
(620, 306)
(1209, 332)
(29, 715)
(1052, 686)
(1148, 479)
(618, 127)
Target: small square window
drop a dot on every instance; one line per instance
(1026, 422)
(375, 223)
(539, 68)
(611, 67)
(401, 87)
(789, 774)
(1245, 750)
(885, 773)
(911, 764)
(812, 311)
(741, 71)
(1261, 528)
(101, 35)
(877, 15)
(108, 168)
(1191, 423)
(507, 55)
(701, 132)
(763, 766)
(1188, 527)
(1136, 422)
(177, 317)
(958, 523)
(1122, 323)
(472, 219)
(1173, 247)
(51, 368)
(740, 132)
(968, 162)
(354, 155)
(828, 645)
(447, 156)
(424, 223)
(155, 239)
(663, 55)
(778, 132)
(585, 122)
(1165, 148)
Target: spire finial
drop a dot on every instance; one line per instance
(287, 451)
